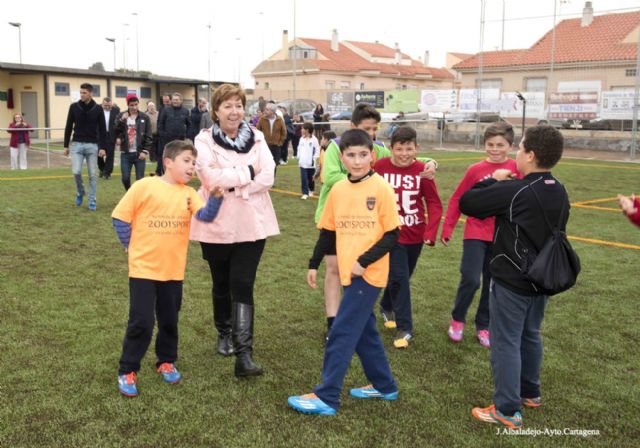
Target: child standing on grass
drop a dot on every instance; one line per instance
(361, 223)
(478, 235)
(327, 137)
(152, 221)
(308, 152)
(522, 209)
(402, 171)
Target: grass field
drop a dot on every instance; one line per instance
(63, 311)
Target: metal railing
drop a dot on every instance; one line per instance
(47, 138)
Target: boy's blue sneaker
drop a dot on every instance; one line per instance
(370, 392)
(92, 206)
(128, 384)
(79, 198)
(169, 372)
(310, 404)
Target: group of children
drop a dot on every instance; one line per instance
(376, 210)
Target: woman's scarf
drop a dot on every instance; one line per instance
(241, 144)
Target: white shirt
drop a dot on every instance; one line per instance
(107, 114)
(308, 152)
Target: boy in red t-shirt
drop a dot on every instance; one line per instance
(478, 235)
(402, 171)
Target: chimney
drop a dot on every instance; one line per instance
(398, 54)
(426, 59)
(334, 40)
(587, 14)
(285, 43)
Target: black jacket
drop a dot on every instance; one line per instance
(520, 224)
(143, 133)
(194, 127)
(110, 139)
(86, 121)
(173, 123)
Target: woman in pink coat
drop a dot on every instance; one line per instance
(235, 157)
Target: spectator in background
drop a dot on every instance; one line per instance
(297, 133)
(317, 118)
(274, 130)
(262, 103)
(173, 123)
(105, 164)
(133, 131)
(19, 142)
(288, 122)
(196, 117)
(256, 118)
(152, 112)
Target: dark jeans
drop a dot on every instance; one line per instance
(354, 330)
(284, 149)
(306, 180)
(516, 346)
(146, 298)
(105, 164)
(295, 140)
(233, 270)
(275, 153)
(475, 263)
(127, 161)
(397, 295)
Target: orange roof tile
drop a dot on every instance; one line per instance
(600, 41)
(378, 50)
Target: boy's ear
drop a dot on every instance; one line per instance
(353, 125)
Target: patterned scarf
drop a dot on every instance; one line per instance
(242, 143)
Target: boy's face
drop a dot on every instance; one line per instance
(524, 159)
(181, 169)
(324, 142)
(370, 126)
(357, 160)
(404, 154)
(497, 149)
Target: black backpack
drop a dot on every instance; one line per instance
(556, 267)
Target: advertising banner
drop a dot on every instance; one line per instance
(573, 105)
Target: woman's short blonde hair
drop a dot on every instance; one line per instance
(223, 93)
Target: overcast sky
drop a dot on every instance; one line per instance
(175, 42)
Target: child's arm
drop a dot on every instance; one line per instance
(123, 230)
(333, 169)
(429, 192)
(630, 206)
(326, 239)
(209, 212)
(376, 252)
(489, 197)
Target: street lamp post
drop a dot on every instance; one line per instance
(113, 41)
(19, 26)
(124, 45)
(137, 44)
(209, 64)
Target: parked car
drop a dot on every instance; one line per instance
(344, 115)
(599, 124)
(299, 106)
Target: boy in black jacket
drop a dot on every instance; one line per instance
(516, 305)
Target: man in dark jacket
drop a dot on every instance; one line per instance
(105, 164)
(133, 131)
(196, 118)
(86, 121)
(516, 305)
(172, 125)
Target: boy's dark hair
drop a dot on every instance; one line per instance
(308, 126)
(329, 135)
(176, 147)
(363, 112)
(355, 137)
(404, 134)
(86, 86)
(502, 129)
(546, 142)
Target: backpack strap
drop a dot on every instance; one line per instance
(562, 212)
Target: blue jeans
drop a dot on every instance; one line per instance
(127, 160)
(79, 152)
(516, 346)
(475, 263)
(397, 295)
(354, 330)
(306, 180)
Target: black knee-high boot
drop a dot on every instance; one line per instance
(222, 321)
(243, 340)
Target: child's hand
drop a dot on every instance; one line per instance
(429, 170)
(312, 274)
(357, 270)
(216, 192)
(503, 174)
(627, 204)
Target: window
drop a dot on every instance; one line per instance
(345, 84)
(330, 85)
(630, 72)
(62, 89)
(490, 83)
(121, 91)
(145, 92)
(266, 85)
(96, 90)
(305, 55)
(535, 85)
(361, 86)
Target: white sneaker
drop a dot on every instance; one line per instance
(282, 162)
(311, 194)
(304, 197)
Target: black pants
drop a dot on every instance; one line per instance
(105, 164)
(276, 153)
(149, 299)
(284, 149)
(233, 270)
(295, 140)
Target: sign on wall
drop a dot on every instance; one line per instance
(441, 100)
(489, 98)
(573, 105)
(512, 106)
(339, 101)
(402, 101)
(375, 99)
(617, 104)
